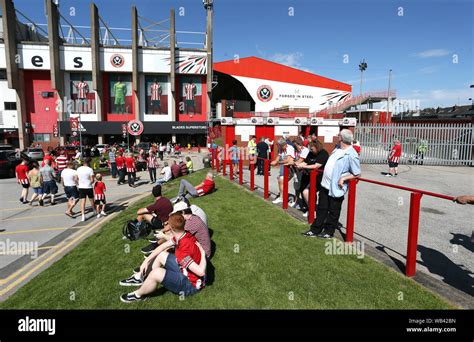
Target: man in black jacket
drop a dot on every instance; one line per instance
(262, 152)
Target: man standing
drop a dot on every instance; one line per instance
(131, 169)
(48, 180)
(61, 163)
(342, 166)
(252, 149)
(113, 163)
(21, 172)
(85, 180)
(69, 181)
(394, 159)
(262, 153)
(155, 90)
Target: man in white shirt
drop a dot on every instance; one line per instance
(285, 157)
(167, 175)
(69, 180)
(85, 180)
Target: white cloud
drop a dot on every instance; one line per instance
(429, 69)
(432, 53)
(292, 59)
(440, 97)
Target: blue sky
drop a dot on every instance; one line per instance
(427, 43)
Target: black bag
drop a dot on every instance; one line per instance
(134, 230)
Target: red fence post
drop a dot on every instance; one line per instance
(351, 202)
(312, 195)
(241, 170)
(252, 177)
(265, 178)
(212, 158)
(224, 162)
(413, 223)
(217, 160)
(285, 187)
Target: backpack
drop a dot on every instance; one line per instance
(134, 230)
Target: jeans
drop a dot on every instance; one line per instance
(327, 212)
(152, 172)
(121, 174)
(160, 181)
(185, 186)
(113, 169)
(131, 178)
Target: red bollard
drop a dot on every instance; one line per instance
(285, 186)
(413, 223)
(213, 156)
(265, 178)
(312, 195)
(252, 177)
(351, 202)
(241, 170)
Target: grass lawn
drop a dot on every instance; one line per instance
(261, 262)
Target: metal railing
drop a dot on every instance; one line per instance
(422, 144)
(414, 211)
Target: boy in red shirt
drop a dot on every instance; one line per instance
(394, 159)
(99, 195)
(21, 172)
(120, 162)
(202, 189)
(182, 273)
(131, 169)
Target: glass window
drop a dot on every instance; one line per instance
(120, 86)
(41, 137)
(156, 101)
(3, 74)
(9, 105)
(82, 95)
(191, 95)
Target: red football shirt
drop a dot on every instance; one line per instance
(187, 252)
(21, 172)
(48, 157)
(99, 188)
(129, 163)
(119, 162)
(206, 188)
(396, 153)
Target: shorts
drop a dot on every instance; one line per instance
(50, 187)
(98, 202)
(392, 164)
(156, 223)
(25, 186)
(235, 162)
(174, 280)
(155, 103)
(290, 172)
(71, 192)
(120, 100)
(86, 192)
(38, 191)
(189, 103)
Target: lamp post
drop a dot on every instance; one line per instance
(388, 96)
(362, 68)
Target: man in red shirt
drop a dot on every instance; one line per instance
(175, 170)
(50, 157)
(157, 213)
(394, 159)
(131, 169)
(61, 162)
(202, 189)
(21, 172)
(182, 273)
(120, 162)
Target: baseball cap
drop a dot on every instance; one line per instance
(180, 206)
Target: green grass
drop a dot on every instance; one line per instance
(261, 262)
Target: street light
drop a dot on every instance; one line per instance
(362, 68)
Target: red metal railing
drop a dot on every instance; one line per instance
(414, 213)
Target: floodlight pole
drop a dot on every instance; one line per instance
(362, 68)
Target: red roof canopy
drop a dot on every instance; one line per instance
(255, 67)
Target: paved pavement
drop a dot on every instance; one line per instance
(444, 244)
(29, 232)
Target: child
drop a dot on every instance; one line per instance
(189, 164)
(99, 195)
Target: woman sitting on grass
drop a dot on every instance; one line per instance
(182, 273)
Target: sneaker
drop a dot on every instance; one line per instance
(131, 281)
(103, 213)
(325, 235)
(130, 298)
(83, 218)
(278, 200)
(41, 202)
(21, 199)
(148, 249)
(310, 233)
(305, 214)
(177, 199)
(53, 203)
(388, 175)
(25, 202)
(98, 215)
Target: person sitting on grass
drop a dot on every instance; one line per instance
(166, 174)
(199, 190)
(195, 225)
(189, 164)
(182, 273)
(158, 212)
